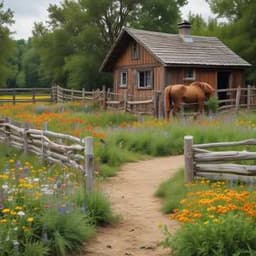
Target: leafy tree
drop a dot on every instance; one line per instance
(160, 15)
(239, 33)
(79, 34)
(6, 44)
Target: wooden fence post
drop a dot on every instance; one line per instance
(88, 164)
(57, 94)
(7, 131)
(238, 96)
(33, 96)
(125, 101)
(188, 157)
(25, 138)
(83, 95)
(72, 94)
(13, 96)
(53, 94)
(156, 104)
(161, 105)
(104, 91)
(43, 148)
(248, 97)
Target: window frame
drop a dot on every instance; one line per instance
(121, 85)
(151, 79)
(135, 51)
(187, 71)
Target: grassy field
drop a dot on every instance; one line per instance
(118, 138)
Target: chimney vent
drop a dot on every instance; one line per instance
(184, 31)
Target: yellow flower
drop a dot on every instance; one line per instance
(5, 210)
(3, 221)
(11, 161)
(30, 219)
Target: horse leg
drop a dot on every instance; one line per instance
(176, 108)
(201, 108)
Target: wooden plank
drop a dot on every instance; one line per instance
(140, 102)
(227, 168)
(188, 157)
(225, 156)
(88, 165)
(226, 144)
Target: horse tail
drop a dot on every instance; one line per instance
(167, 101)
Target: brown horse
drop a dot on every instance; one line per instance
(196, 92)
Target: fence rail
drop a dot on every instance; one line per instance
(51, 146)
(231, 98)
(219, 165)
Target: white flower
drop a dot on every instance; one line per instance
(5, 187)
(21, 213)
(36, 180)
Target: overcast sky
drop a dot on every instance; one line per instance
(26, 12)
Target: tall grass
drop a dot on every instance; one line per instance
(172, 191)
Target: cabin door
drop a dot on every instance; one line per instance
(223, 83)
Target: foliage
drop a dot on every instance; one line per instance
(240, 16)
(74, 44)
(232, 235)
(65, 232)
(212, 105)
(172, 191)
(6, 45)
(42, 207)
(98, 209)
(35, 248)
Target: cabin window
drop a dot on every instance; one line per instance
(189, 74)
(135, 51)
(123, 78)
(145, 79)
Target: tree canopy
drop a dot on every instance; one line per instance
(69, 48)
(6, 44)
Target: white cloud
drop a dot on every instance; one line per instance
(26, 12)
(197, 7)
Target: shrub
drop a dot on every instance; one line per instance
(65, 232)
(35, 249)
(232, 235)
(98, 208)
(212, 105)
(172, 191)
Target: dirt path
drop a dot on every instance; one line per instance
(132, 196)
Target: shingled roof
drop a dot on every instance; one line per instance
(173, 50)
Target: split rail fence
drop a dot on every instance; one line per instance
(220, 165)
(51, 146)
(233, 98)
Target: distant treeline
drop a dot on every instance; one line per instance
(70, 47)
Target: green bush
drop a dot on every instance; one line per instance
(212, 105)
(35, 249)
(107, 171)
(98, 208)
(232, 236)
(172, 191)
(65, 232)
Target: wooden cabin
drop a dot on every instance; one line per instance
(145, 61)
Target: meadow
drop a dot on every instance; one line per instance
(38, 199)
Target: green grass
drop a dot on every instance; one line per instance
(172, 191)
(234, 235)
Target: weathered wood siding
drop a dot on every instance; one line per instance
(237, 78)
(207, 75)
(125, 59)
(176, 76)
(145, 61)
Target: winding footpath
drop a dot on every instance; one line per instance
(131, 193)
